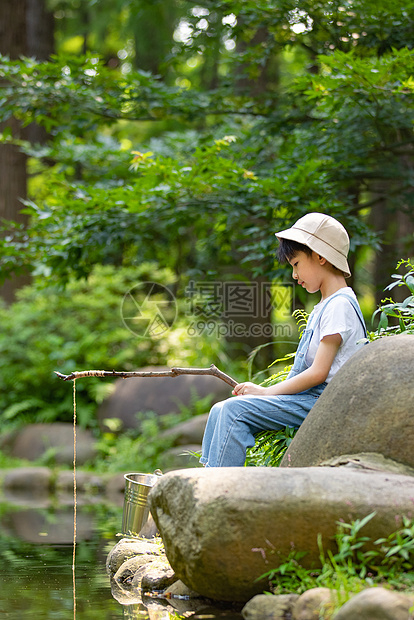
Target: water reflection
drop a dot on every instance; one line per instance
(36, 579)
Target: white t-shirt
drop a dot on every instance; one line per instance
(339, 317)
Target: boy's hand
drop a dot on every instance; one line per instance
(247, 388)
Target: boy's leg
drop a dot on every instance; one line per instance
(209, 431)
(232, 424)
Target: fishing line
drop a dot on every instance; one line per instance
(74, 500)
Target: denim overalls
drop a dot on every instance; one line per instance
(233, 423)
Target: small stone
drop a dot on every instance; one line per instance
(126, 572)
(157, 576)
(269, 607)
(178, 588)
(376, 604)
(127, 548)
(314, 603)
(183, 600)
(124, 596)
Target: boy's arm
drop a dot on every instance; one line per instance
(314, 375)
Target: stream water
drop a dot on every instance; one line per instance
(36, 576)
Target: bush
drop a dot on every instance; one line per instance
(401, 312)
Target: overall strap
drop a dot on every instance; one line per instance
(355, 306)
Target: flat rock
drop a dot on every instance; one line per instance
(86, 482)
(367, 407)
(223, 528)
(32, 480)
(369, 461)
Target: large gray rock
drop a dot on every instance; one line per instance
(223, 528)
(34, 440)
(367, 407)
(160, 395)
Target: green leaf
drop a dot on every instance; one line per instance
(383, 322)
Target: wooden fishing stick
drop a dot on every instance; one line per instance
(172, 372)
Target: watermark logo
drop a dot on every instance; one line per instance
(149, 310)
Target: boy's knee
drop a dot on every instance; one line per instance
(230, 409)
(215, 412)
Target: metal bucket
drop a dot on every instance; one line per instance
(137, 519)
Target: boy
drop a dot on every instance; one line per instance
(316, 247)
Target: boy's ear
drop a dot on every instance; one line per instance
(322, 260)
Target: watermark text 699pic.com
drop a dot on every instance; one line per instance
(239, 309)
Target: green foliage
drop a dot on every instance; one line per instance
(270, 447)
(357, 563)
(399, 548)
(194, 195)
(352, 555)
(145, 447)
(317, 139)
(282, 165)
(137, 449)
(402, 312)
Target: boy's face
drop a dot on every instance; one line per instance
(307, 270)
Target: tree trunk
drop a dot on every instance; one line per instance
(153, 27)
(266, 76)
(25, 29)
(396, 230)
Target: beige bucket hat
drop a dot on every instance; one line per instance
(324, 235)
